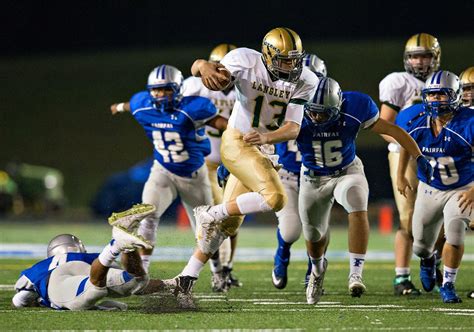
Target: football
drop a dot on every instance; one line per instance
(224, 82)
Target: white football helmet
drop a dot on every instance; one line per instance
(315, 64)
(325, 107)
(166, 76)
(446, 83)
(63, 244)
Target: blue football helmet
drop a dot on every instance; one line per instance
(325, 107)
(446, 83)
(315, 64)
(166, 76)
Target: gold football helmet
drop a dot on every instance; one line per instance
(219, 51)
(421, 44)
(282, 54)
(467, 83)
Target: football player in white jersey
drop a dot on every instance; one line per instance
(398, 91)
(272, 88)
(221, 262)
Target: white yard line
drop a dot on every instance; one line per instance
(182, 254)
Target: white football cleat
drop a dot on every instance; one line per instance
(314, 291)
(129, 219)
(356, 286)
(126, 241)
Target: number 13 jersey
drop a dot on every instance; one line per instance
(263, 103)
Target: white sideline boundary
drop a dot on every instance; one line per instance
(182, 254)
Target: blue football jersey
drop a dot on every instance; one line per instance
(178, 137)
(450, 153)
(331, 148)
(289, 156)
(39, 273)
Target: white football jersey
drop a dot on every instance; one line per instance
(224, 102)
(400, 90)
(264, 103)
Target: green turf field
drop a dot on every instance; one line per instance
(257, 305)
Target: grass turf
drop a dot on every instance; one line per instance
(257, 305)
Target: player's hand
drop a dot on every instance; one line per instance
(215, 76)
(255, 138)
(403, 185)
(222, 175)
(425, 168)
(113, 109)
(466, 200)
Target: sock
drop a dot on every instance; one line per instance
(193, 267)
(215, 263)
(146, 260)
(230, 265)
(283, 251)
(449, 274)
(109, 254)
(219, 211)
(318, 265)
(402, 271)
(356, 262)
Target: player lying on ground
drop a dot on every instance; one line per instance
(70, 278)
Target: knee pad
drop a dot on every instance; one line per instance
(276, 200)
(290, 227)
(421, 251)
(209, 237)
(230, 226)
(147, 229)
(312, 233)
(455, 232)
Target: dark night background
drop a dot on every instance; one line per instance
(62, 64)
(42, 25)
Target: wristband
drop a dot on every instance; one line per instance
(120, 107)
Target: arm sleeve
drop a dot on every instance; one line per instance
(294, 113)
(373, 114)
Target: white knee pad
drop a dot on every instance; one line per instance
(455, 231)
(290, 227)
(147, 229)
(421, 251)
(209, 237)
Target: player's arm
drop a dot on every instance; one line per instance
(383, 127)
(120, 107)
(388, 114)
(218, 122)
(214, 76)
(287, 132)
(402, 182)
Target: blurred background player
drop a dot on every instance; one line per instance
(272, 88)
(331, 171)
(445, 132)
(222, 261)
(289, 223)
(398, 91)
(70, 278)
(175, 125)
